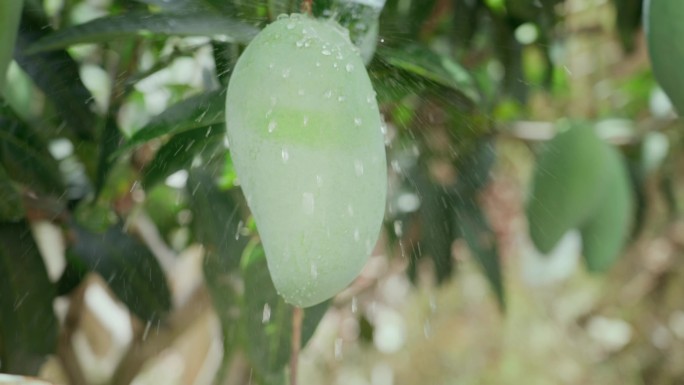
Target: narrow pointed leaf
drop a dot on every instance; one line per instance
(10, 14)
(28, 326)
(482, 244)
(202, 110)
(268, 319)
(197, 23)
(181, 150)
(423, 62)
(130, 269)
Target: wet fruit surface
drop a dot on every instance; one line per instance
(305, 136)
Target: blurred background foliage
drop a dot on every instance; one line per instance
(128, 254)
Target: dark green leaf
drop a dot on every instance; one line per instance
(475, 167)
(28, 326)
(225, 57)
(180, 150)
(129, 268)
(57, 75)
(198, 111)
(217, 219)
(437, 226)
(132, 24)
(268, 319)
(25, 157)
(10, 14)
(475, 229)
(628, 21)
(109, 142)
(423, 62)
(11, 206)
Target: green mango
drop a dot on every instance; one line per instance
(606, 232)
(10, 15)
(568, 183)
(664, 22)
(305, 135)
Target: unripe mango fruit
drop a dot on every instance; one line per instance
(606, 232)
(304, 132)
(568, 184)
(664, 22)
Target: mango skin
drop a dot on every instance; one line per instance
(304, 132)
(568, 183)
(664, 22)
(604, 235)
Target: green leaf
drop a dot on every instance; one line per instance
(268, 319)
(28, 326)
(25, 157)
(10, 14)
(474, 168)
(437, 226)
(607, 231)
(481, 241)
(423, 62)
(217, 219)
(129, 268)
(11, 205)
(57, 75)
(109, 142)
(628, 20)
(202, 110)
(191, 23)
(181, 150)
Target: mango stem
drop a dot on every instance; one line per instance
(297, 317)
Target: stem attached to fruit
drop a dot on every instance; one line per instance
(307, 7)
(297, 317)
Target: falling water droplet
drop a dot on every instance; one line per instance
(338, 348)
(266, 315)
(358, 166)
(306, 120)
(398, 228)
(290, 25)
(354, 305)
(319, 180)
(357, 122)
(341, 98)
(314, 271)
(308, 203)
(238, 230)
(328, 94)
(286, 73)
(350, 210)
(326, 52)
(357, 235)
(285, 155)
(349, 67)
(272, 126)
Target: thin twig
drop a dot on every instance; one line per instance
(297, 317)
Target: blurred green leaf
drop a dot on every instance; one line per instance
(130, 269)
(181, 149)
(474, 169)
(202, 110)
(481, 241)
(268, 319)
(628, 21)
(423, 62)
(437, 226)
(24, 156)
(57, 75)
(105, 29)
(109, 142)
(28, 326)
(11, 206)
(10, 14)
